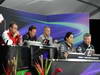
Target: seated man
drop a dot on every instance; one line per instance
(86, 44)
(12, 36)
(67, 45)
(31, 34)
(46, 39)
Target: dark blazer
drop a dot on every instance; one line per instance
(28, 38)
(83, 47)
(64, 47)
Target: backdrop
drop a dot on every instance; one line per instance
(78, 23)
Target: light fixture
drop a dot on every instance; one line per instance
(35, 1)
(1, 18)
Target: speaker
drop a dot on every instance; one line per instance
(1, 1)
(24, 58)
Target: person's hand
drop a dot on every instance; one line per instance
(65, 54)
(16, 34)
(20, 41)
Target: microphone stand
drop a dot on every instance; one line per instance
(5, 25)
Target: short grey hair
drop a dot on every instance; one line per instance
(86, 35)
(46, 27)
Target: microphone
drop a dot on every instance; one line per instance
(6, 43)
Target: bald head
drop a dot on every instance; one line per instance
(47, 30)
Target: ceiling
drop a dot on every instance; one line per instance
(46, 7)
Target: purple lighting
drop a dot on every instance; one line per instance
(93, 69)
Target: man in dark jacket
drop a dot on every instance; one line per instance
(86, 44)
(66, 47)
(31, 34)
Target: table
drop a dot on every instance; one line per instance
(76, 66)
